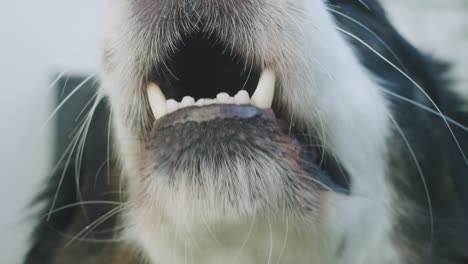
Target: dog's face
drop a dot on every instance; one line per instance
(257, 131)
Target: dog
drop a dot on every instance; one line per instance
(255, 131)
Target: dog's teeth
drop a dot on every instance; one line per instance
(242, 97)
(157, 100)
(172, 106)
(222, 98)
(200, 102)
(230, 100)
(187, 101)
(203, 101)
(210, 101)
(263, 95)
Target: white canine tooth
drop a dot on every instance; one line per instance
(172, 106)
(242, 97)
(187, 101)
(263, 95)
(157, 100)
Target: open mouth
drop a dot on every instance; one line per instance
(261, 98)
(204, 72)
(205, 81)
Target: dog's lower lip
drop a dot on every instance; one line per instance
(211, 112)
(207, 116)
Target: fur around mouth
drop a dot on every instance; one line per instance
(208, 85)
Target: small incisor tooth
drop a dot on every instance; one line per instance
(187, 101)
(210, 101)
(263, 95)
(200, 102)
(230, 100)
(157, 100)
(242, 97)
(222, 98)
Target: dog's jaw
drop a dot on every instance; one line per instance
(329, 88)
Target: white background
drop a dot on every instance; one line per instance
(39, 39)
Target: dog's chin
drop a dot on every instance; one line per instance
(223, 162)
(229, 182)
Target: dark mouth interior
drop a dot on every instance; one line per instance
(203, 68)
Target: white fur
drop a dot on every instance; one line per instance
(327, 87)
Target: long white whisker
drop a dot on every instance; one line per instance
(432, 111)
(54, 200)
(71, 205)
(398, 59)
(55, 81)
(89, 228)
(66, 100)
(90, 101)
(420, 171)
(98, 172)
(80, 150)
(270, 252)
(109, 125)
(370, 31)
(414, 83)
(71, 149)
(67, 150)
(64, 85)
(364, 4)
(286, 233)
(249, 233)
(88, 240)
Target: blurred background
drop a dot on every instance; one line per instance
(40, 40)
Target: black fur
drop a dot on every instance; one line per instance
(444, 238)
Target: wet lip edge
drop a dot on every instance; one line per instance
(214, 111)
